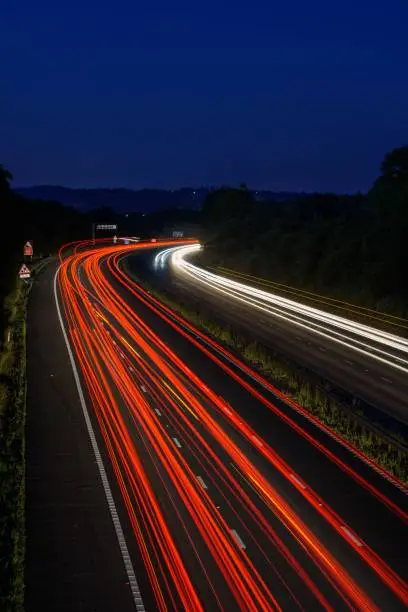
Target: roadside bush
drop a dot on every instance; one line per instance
(288, 379)
(12, 457)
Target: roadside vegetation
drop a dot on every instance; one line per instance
(349, 247)
(12, 452)
(47, 225)
(293, 382)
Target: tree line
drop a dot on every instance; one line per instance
(49, 224)
(351, 247)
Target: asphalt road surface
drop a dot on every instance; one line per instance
(378, 383)
(227, 496)
(73, 561)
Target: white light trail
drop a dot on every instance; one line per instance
(380, 345)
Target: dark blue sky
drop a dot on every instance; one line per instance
(282, 95)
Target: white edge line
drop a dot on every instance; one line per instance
(102, 472)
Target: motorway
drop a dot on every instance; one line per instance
(370, 363)
(226, 495)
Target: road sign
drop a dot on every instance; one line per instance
(28, 249)
(24, 272)
(105, 226)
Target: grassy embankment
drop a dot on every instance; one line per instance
(13, 385)
(12, 452)
(288, 379)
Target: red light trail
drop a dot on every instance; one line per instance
(161, 424)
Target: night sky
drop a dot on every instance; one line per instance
(291, 95)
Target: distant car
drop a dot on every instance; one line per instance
(154, 240)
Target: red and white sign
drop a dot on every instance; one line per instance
(115, 239)
(24, 272)
(28, 249)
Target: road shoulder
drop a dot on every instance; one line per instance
(73, 560)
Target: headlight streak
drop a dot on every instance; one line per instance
(192, 333)
(162, 256)
(322, 323)
(104, 363)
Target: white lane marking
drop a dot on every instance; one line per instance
(299, 482)
(122, 355)
(176, 442)
(291, 403)
(137, 598)
(238, 538)
(202, 483)
(352, 536)
(143, 388)
(157, 411)
(297, 337)
(257, 441)
(366, 371)
(131, 369)
(386, 380)
(321, 348)
(348, 362)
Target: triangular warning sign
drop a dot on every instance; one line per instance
(24, 272)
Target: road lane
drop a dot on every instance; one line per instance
(72, 558)
(136, 382)
(380, 384)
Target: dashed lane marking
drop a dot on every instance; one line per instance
(257, 441)
(202, 483)
(299, 482)
(238, 539)
(352, 537)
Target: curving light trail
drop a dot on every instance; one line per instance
(161, 426)
(380, 345)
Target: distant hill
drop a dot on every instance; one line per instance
(129, 200)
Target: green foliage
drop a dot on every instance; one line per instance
(12, 457)
(289, 379)
(227, 203)
(47, 224)
(349, 247)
